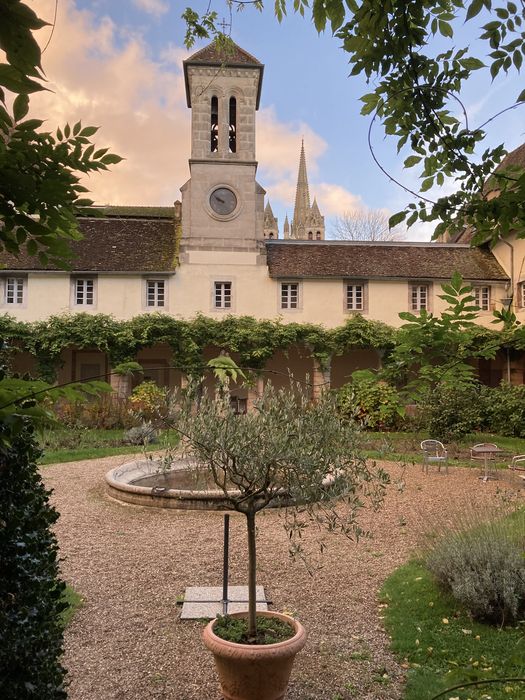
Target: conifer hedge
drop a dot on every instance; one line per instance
(30, 587)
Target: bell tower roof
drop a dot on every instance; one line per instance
(216, 55)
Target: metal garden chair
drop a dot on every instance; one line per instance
(434, 452)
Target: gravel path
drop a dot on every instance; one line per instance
(131, 563)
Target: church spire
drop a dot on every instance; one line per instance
(302, 198)
(307, 222)
(270, 226)
(286, 229)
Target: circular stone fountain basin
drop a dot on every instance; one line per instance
(145, 483)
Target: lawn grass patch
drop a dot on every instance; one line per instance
(406, 446)
(73, 444)
(443, 646)
(74, 601)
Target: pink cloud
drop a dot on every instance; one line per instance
(106, 76)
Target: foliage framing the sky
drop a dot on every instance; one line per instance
(406, 49)
(39, 170)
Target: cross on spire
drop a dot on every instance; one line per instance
(223, 25)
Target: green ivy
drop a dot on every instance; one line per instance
(255, 341)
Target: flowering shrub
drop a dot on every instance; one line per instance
(102, 412)
(375, 404)
(149, 400)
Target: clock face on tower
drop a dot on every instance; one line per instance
(223, 201)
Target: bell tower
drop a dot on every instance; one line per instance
(222, 204)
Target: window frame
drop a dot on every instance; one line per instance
(420, 284)
(223, 306)
(478, 293)
(17, 278)
(155, 281)
(75, 279)
(298, 295)
(364, 296)
(521, 295)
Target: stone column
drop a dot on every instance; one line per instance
(254, 392)
(121, 385)
(320, 379)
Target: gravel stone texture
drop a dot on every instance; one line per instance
(131, 564)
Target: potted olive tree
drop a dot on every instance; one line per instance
(289, 452)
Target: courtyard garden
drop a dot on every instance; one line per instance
(380, 623)
(131, 566)
(419, 595)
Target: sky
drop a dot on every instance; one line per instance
(117, 64)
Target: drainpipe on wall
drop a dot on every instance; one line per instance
(511, 296)
(511, 269)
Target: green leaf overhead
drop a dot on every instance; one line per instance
(409, 54)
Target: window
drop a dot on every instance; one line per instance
(155, 293)
(232, 126)
(289, 295)
(522, 295)
(355, 297)
(14, 290)
(238, 405)
(84, 292)
(223, 295)
(419, 297)
(318, 235)
(214, 125)
(310, 236)
(482, 297)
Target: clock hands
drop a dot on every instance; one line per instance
(223, 201)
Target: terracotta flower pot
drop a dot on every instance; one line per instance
(255, 671)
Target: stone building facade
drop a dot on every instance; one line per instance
(218, 252)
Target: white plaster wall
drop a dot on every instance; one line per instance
(502, 253)
(190, 291)
(122, 296)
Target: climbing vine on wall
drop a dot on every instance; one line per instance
(254, 340)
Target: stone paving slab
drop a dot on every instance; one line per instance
(206, 601)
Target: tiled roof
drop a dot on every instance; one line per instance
(211, 55)
(514, 158)
(287, 259)
(137, 212)
(114, 244)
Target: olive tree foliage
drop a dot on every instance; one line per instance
(40, 170)
(290, 452)
(407, 51)
(365, 225)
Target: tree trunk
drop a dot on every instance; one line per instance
(252, 568)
